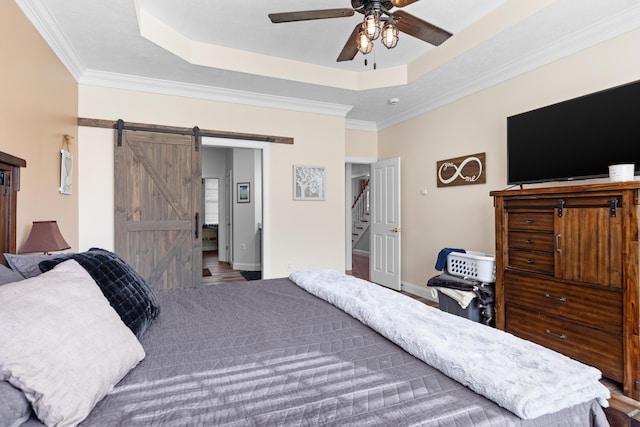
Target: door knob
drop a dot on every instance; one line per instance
(395, 230)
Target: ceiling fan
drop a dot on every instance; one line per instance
(378, 21)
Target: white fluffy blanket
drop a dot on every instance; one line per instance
(525, 378)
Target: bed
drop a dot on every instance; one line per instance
(267, 352)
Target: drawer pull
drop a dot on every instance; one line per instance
(530, 261)
(561, 299)
(553, 334)
(528, 221)
(528, 241)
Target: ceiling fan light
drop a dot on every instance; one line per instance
(371, 26)
(365, 45)
(390, 35)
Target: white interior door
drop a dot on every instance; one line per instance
(384, 258)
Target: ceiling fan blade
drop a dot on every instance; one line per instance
(350, 48)
(420, 29)
(308, 15)
(402, 3)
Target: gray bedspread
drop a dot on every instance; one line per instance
(267, 353)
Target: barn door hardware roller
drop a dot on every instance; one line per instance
(195, 132)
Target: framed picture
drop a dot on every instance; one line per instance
(66, 172)
(308, 182)
(244, 192)
(463, 170)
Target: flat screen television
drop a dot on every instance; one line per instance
(575, 139)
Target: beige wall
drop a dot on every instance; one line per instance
(38, 105)
(361, 144)
(463, 216)
(303, 234)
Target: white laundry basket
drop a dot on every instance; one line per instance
(474, 265)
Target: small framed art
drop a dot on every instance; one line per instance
(308, 182)
(66, 172)
(244, 192)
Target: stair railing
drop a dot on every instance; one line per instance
(360, 212)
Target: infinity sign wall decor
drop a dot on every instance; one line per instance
(463, 170)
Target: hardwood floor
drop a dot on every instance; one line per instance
(220, 272)
(622, 411)
(360, 269)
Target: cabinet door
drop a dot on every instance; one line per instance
(9, 186)
(589, 245)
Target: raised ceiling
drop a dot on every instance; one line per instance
(232, 52)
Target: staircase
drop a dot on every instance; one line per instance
(360, 214)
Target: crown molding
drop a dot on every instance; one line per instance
(41, 18)
(361, 125)
(624, 22)
(44, 22)
(360, 160)
(167, 87)
(210, 55)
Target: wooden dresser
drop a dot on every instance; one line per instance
(567, 273)
(9, 187)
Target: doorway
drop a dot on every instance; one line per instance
(213, 270)
(377, 258)
(357, 226)
(241, 168)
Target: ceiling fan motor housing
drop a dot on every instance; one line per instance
(367, 7)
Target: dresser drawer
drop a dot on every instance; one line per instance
(539, 262)
(531, 221)
(593, 347)
(596, 308)
(531, 241)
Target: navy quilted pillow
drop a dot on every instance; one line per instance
(127, 292)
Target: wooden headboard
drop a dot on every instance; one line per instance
(9, 185)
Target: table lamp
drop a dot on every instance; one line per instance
(44, 237)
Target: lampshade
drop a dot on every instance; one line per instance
(44, 237)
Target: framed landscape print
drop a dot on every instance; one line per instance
(308, 182)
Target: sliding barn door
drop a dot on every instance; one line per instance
(157, 207)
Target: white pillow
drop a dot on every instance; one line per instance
(63, 345)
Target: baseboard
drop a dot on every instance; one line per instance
(360, 252)
(245, 267)
(421, 291)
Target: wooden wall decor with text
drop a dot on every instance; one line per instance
(463, 170)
